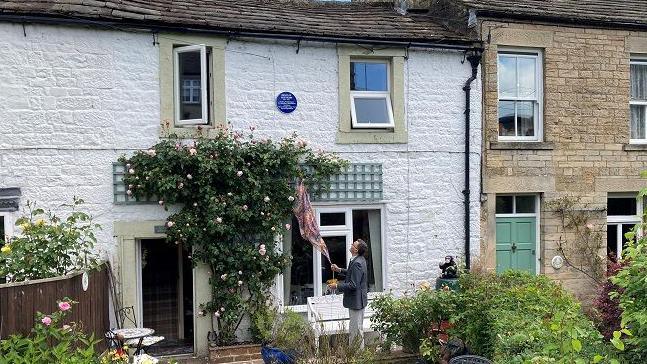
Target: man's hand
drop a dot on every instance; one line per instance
(332, 287)
(335, 268)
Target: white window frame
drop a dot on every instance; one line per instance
(9, 223)
(203, 84)
(193, 91)
(337, 230)
(641, 61)
(620, 220)
(373, 95)
(536, 215)
(539, 99)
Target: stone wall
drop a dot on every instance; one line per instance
(585, 152)
(74, 99)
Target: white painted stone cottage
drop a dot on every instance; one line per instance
(83, 82)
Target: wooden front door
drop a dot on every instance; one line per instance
(516, 240)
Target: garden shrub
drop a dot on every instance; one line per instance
(50, 342)
(608, 308)
(49, 245)
(511, 318)
(633, 296)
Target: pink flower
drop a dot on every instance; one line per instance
(64, 306)
(178, 146)
(589, 226)
(240, 272)
(161, 202)
(46, 320)
(224, 276)
(222, 309)
(240, 283)
(170, 224)
(151, 152)
(218, 220)
(193, 151)
(291, 198)
(188, 176)
(239, 173)
(66, 327)
(266, 199)
(180, 185)
(195, 204)
(288, 226)
(245, 207)
(216, 314)
(129, 192)
(273, 228)
(131, 171)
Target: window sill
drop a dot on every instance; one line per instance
(371, 137)
(634, 147)
(522, 145)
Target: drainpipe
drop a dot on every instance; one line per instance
(474, 57)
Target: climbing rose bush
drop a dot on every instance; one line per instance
(236, 194)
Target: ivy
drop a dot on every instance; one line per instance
(236, 194)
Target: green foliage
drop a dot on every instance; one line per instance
(49, 246)
(236, 195)
(511, 318)
(408, 320)
(262, 323)
(49, 343)
(633, 295)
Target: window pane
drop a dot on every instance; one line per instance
(507, 70)
(376, 77)
(525, 204)
(638, 118)
(369, 76)
(371, 110)
(367, 226)
(612, 240)
(527, 76)
(358, 76)
(506, 118)
(621, 206)
(337, 249)
(639, 81)
(625, 229)
(332, 218)
(189, 70)
(298, 278)
(526, 118)
(504, 204)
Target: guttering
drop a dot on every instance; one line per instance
(574, 21)
(450, 44)
(474, 58)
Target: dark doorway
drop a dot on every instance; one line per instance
(167, 296)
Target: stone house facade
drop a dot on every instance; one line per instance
(86, 83)
(563, 115)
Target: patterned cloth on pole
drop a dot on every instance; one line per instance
(307, 222)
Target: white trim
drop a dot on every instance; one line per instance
(538, 100)
(9, 223)
(203, 84)
(338, 230)
(378, 95)
(620, 220)
(140, 291)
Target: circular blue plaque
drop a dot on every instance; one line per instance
(286, 102)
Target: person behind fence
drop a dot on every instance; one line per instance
(355, 290)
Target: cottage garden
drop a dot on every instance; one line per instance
(236, 193)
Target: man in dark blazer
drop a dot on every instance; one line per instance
(355, 289)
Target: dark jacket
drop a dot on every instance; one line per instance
(355, 285)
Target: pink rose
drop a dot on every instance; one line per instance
(240, 283)
(239, 173)
(193, 151)
(245, 207)
(64, 306)
(291, 198)
(170, 224)
(288, 226)
(66, 327)
(217, 314)
(266, 199)
(188, 176)
(46, 320)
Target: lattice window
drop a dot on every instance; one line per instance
(359, 182)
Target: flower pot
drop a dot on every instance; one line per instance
(234, 353)
(272, 355)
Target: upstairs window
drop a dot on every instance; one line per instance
(370, 94)
(638, 100)
(520, 95)
(191, 76)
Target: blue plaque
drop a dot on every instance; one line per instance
(286, 102)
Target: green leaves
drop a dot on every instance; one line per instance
(235, 196)
(49, 246)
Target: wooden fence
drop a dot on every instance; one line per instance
(19, 302)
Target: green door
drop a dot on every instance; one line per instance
(515, 244)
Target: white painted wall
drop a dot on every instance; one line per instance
(73, 99)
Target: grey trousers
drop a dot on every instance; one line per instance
(356, 327)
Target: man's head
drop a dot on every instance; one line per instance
(359, 247)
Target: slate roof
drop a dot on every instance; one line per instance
(629, 13)
(377, 21)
